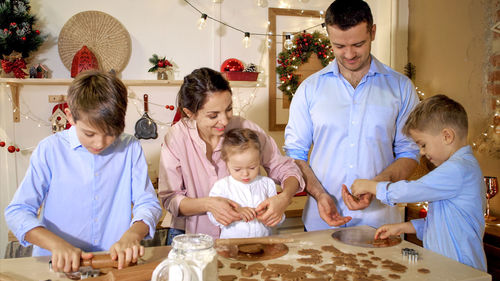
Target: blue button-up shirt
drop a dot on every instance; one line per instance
(454, 226)
(355, 133)
(87, 199)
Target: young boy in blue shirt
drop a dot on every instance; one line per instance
(87, 178)
(454, 226)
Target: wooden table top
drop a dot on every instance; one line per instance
(441, 268)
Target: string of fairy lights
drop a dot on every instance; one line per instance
(246, 34)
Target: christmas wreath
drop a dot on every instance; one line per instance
(304, 44)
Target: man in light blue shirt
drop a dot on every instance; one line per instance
(87, 178)
(454, 226)
(351, 113)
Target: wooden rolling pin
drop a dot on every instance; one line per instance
(141, 272)
(101, 261)
(256, 240)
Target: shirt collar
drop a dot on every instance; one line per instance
(73, 138)
(375, 67)
(462, 151)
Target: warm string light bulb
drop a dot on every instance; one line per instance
(202, 22)
(246, 40)
(288, 42)
(262, 3)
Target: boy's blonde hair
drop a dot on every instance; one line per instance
(436, 113)
(100, 99)
(239, 140)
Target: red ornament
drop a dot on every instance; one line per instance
(2, 143)
(17, 149)
(11, 149)
(232, 65)
(171, 107)
(422, 213)
(37, 31)
(23, 38)
(83, 60)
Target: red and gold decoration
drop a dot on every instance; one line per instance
(14, 63)
(83, 60)
(234, 70)
(304, 44)
(18, 38)
(161, 66)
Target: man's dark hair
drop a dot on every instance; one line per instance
(348, 13)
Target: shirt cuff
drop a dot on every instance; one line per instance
(419, 225)
(383, 192)
(411, 155)
(297, 154)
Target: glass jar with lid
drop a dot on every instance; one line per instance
(192, 258)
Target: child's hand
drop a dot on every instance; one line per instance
(223, 210)
(247, 213)
(387, 230)
(66, 258)
(128, 249)
(361, 186)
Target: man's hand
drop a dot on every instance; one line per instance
(328, 211)
(356, 203)
(224, 210)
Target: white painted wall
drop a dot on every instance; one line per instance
(165, 27)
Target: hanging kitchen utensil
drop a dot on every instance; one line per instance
(145, 128)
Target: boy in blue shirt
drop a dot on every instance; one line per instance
(454, 226)
(87, 179)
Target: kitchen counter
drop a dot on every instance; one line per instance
(441, 268)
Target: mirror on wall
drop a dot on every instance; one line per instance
(281, 23)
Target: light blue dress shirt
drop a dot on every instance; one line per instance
(454, 226)
(87, 199)
(355, 133)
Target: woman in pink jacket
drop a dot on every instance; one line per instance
(190, 160)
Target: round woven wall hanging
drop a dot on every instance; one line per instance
(105, 36)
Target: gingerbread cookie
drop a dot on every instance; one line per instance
(311, 260)
(268, 274)
(238, 265)
(423, 270)
(227, 277)
(256, 266)
(293, 276)
(219, 264)
(394, 276)
(254, 248)
(305, 268)
(304, 252)
(247, 279)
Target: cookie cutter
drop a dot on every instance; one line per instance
(83, 272)
(410, 254)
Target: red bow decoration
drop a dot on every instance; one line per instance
(16, 66)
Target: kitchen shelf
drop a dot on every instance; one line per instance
(14, 85)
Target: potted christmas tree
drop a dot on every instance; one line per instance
(18, 38)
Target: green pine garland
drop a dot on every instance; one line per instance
(16, 28)
(289, 60)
